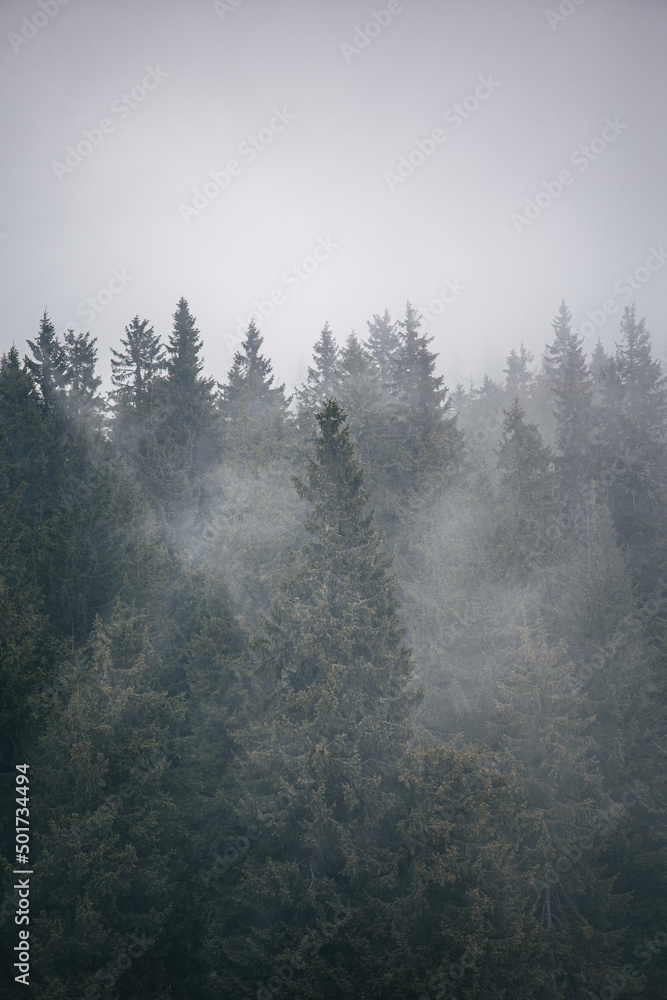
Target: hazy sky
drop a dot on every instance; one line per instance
(115, 111)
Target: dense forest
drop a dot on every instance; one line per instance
(357, 692)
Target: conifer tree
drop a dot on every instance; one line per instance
(547, 730)
(48, 363)
(423, 440)
(135, 372)
(254, 410)
(527, 488)
(551, 359)
(322, 380)
(633, 446)
(570, 382)
(518, 376)
(84, 405)
(361, 397)
(382, 345)
(336, 721)
(190, 412)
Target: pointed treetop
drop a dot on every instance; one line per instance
(322, 380)
(135, 369)
(48, 364)
(382, 344)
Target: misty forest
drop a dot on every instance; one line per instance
(353, 692)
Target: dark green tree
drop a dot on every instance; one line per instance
(327, 744)
(322, 379)
(518, 376)
(527, 496)
(254, 410)
(48, 363)
(83, 404)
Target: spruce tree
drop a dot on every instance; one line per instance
(518, 376)
(48, 363)
(382, 345)
(84, 406)
(254, 410)
(423, 440)
(527, 494)
(633, 447)
(190, 412)
(327, 745)
(322, 379)
(135, 369)
(571, 385)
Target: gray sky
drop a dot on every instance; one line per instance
(304, 119)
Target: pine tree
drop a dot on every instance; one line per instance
(361, 397)
(553, 353)
(382, 345)
(518, 376)
(423, 440)
(190, 412)
(570, 382)
(599, 361)
(135, 372)
(254, 411)
(83, 404)
(527, 490)
(322, 380)
(327, 745)
(547, 730)
(633, 447)
(48, 363)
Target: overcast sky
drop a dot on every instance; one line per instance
(116, 112)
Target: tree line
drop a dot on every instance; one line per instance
(353, 691)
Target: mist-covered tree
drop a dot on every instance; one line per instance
(423, 439)
(322, 378)
(254, 410)
(47, 364)
(382, 344)
(572, 388)
(527, 491)
(547, 731)
(83, 403)
(518, 376)
(329, 740)
(633, 445)
(135, 374)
